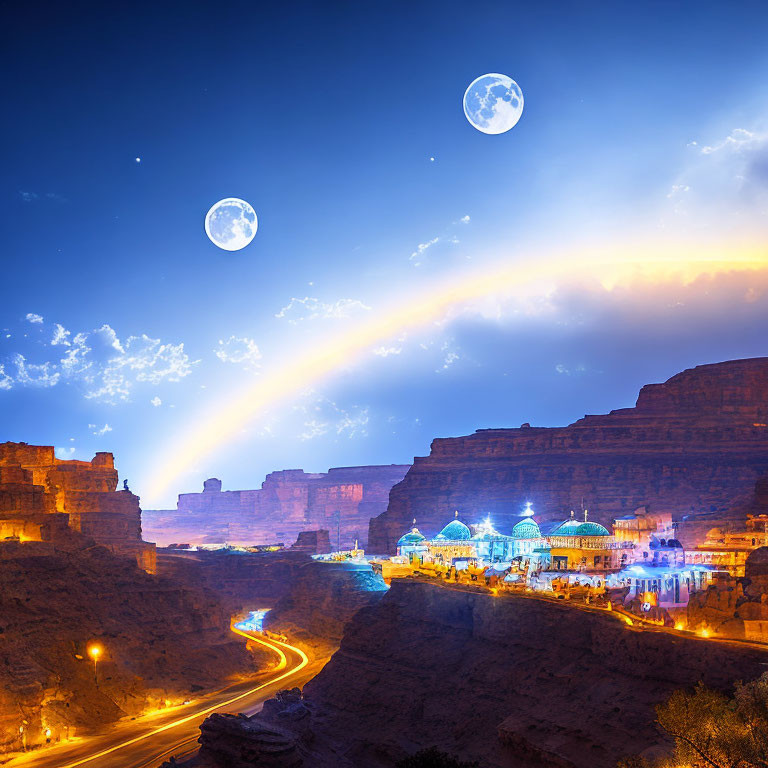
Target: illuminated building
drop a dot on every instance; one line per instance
(639, 527)
(412, 543)
(490, 545)
(729, 550)
(453, 542)
(585, 546)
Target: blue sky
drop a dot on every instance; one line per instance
(641, 122)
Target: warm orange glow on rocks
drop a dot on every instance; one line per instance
(43, 498)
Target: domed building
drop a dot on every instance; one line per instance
(412, 543)
(578, 545)
(454, 541)
(529, 544)
(455, 531)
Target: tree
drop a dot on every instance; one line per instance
(712, 730)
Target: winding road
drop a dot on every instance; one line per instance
(149, 740)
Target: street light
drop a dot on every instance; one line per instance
(95, 651)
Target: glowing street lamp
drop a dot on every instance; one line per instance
(95, 651)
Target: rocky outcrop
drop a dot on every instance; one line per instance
(736, 608)
(341, 501)
(160, 640)
(509, 681)
(41, 496)
(322, 599)
(697, 443)
(313, 543)
(242, 581)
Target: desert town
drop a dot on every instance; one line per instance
(640, 567)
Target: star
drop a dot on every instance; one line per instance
(138, 159)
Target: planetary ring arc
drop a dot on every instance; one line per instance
(304, 368)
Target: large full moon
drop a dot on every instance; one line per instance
(231, 224)
(493, 103)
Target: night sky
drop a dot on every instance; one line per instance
(123, 328)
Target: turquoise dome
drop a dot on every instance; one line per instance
(455, 530)
(414, 536)
(568, 528)
(526, 529)
(591, 529)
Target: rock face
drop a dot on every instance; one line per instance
(322, 598)
(341, 501)
(243, 581)
(697, 443)
(160, 639)
(313, 543)
(511, 681)
(41, 496)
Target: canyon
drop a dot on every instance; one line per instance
(290, 501)
(510, 681)
(321, 600)
(74, 573)
(694, 446)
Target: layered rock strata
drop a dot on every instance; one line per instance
(511, 682)
(694, 445)
(341, 501)
(41, 496)
(160, 640)
(322, 599)
(242, 581)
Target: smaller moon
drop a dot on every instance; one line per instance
(493, 103)
(231, 223)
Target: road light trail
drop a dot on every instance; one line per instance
(273, 645)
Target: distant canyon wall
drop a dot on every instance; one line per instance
(342, 501)
(694, 445)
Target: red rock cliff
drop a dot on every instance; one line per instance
(341, 501)
(41, 495)
(696, 443)
(517, 682)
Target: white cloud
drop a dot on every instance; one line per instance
(239, 350)
(739, 139)
(323, 416)
(418, 257)
(106, 367)
(32, 317)
(35, 375)
(353, 423)
(725, 184)
(313, 428)
(310, 308)
(107, 333)
(6, 381)
(156, 401)
(99, 431)
(566, 371)
(139, 359)
(62, 452)
(387, 351)
(60, 336)
(421, 249)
